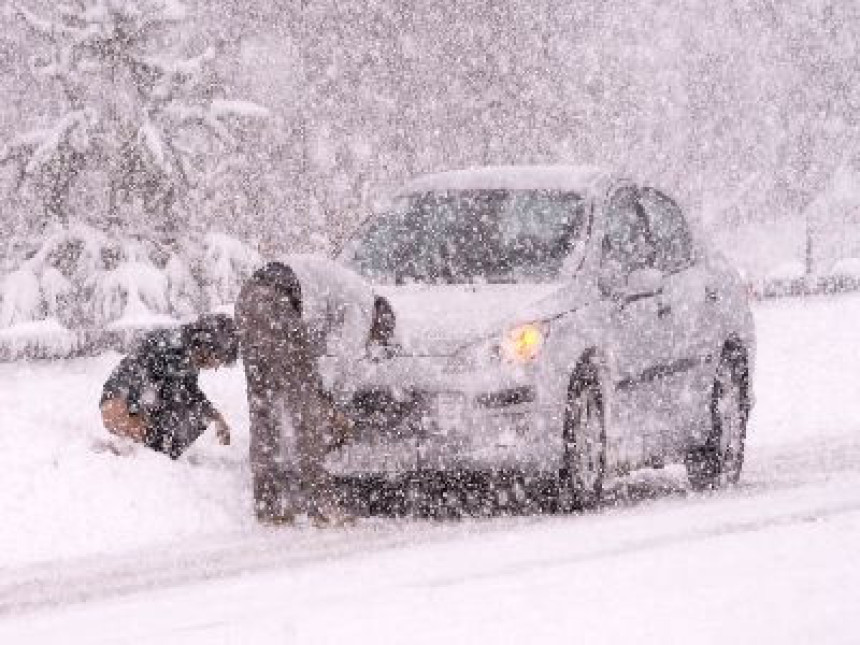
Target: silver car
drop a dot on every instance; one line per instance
(557, 320)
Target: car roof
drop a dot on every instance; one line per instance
(577, 179)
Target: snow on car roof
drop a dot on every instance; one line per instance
(572, 178)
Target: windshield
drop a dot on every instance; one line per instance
(471, 236)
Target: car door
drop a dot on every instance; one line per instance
(685, 309)
(637, 335)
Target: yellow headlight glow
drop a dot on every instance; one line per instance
(523, 343)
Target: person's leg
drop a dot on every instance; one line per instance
(119, 421)
(272, 335)
(167, 430)
(266, 450)
(280, 367)
(311, 416)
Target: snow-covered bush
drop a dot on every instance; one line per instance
(788, 279)
(55, 277)
(844, 275)
(132, 294)
(184, 292)
(20, 298)
(226, 264)
(39, 339)
(41, 300)
(81, 283)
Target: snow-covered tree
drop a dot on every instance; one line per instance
(137, 112)
(225, 263)
(129, 165)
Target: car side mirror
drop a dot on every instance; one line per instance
(382, 343)
(573, 261)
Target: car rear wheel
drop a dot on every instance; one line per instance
(584, 458)
(719, 462)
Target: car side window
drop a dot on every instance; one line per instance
(627, 244)
(673, 242)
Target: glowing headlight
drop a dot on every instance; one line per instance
(523, 343)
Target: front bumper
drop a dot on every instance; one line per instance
(450, 423)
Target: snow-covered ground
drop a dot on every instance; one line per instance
(168, 553)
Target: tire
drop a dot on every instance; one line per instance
(719, 462)
(584, 439)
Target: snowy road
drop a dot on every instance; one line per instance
(775, 560)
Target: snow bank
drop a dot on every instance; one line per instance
(37, 339)
(847, 267)
(759, 249)
(61, 499)
(787, 279)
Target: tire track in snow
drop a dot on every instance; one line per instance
(784, 473)
(658, 542)
(55, 584)
(606, 534)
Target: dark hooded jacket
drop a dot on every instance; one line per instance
(159, 381)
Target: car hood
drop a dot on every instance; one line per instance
(438, 320)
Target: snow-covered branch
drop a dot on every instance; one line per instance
(222, 108)
(131, 153)
(42, 26)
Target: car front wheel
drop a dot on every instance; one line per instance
(584, 458)
(719, 462)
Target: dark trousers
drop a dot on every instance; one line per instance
(283, 381)
(173, 429)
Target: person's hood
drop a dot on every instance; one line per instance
(437, 320)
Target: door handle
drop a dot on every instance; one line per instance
(663, 309)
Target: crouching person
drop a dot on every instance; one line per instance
(153, 396)
(289, 315)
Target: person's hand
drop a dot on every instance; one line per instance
(222, 430)
(342, 428)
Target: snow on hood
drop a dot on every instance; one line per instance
(437, 320)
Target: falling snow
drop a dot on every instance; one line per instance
(510, 222)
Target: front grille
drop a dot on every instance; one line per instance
(378, 413)
(506, 398)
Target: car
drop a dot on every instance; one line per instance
(549, 320)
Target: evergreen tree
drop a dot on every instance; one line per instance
(140, 116)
